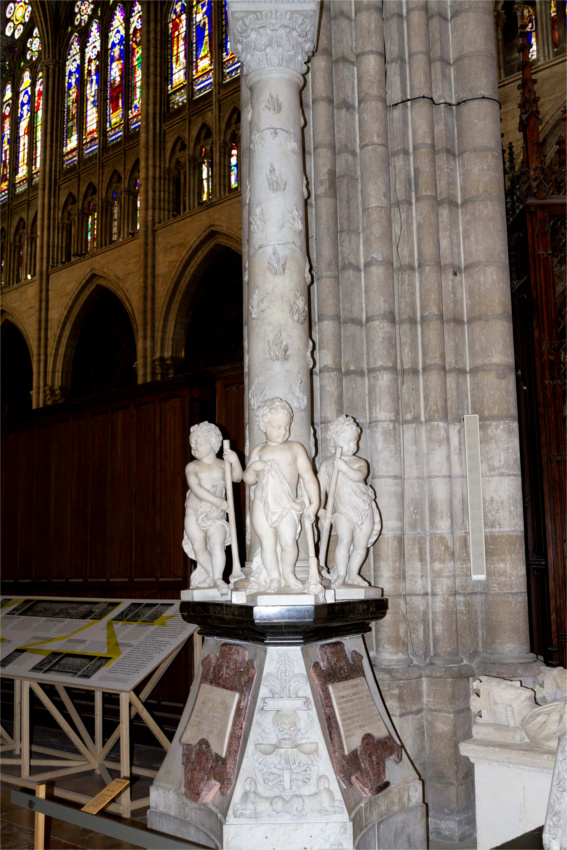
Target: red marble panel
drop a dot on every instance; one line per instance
(364, 766)
(206, 772)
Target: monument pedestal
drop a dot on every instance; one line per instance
(285, 741)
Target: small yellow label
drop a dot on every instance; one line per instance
(104, 797)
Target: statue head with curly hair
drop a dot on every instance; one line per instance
(267, 408)
(342, 431)
(208, 430)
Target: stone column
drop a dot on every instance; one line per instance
(47, 215)
(504, 631)
(274, 41)
(149, 163)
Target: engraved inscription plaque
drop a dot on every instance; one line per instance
(356, 712)
(211, 718)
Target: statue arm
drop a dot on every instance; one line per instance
(309, 482)
(250, 474)
(355, 473)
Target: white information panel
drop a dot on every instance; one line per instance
(93, 643)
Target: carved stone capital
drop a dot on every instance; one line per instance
(55, 394)
(272, 34)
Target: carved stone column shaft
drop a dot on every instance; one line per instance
(274, 41)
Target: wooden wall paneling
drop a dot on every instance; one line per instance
(170, 476)
(80, 498)
(99, 485)
(121, 494)
(11, 446)
(145, 490)
(26, 498)
(41, 506)
(61, 461)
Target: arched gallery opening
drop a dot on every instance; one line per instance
(17, 372)
(105, 350)
(213, 328)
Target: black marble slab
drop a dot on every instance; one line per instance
(284, 625)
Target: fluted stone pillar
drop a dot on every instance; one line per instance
(274, 41)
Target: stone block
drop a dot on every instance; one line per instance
(493, 392)
(502, 502)
(491, 341)
(500, 448)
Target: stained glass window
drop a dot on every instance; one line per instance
(206, 174)
(137, 187)
(202, 47)
(34, 46)
(72, 86)
(24, 119)
(18, 15)
(91, 226)
(554, 24)
(92, 72)
(529, 23)
(234, 166)
(135, 66)
(177, 54)
(37, 128)
(115, 215)
(6, 132)
(115, 116)
(230, 62)
(83, 9)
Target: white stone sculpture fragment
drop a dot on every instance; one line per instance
(257, 221)
(275, 469)
(206, 531)
(257, 304)
(297, 393)
(294, 219)
(551, 684)
(276, 182)
(298, 309)
(544, 725)
(273, 104)
(277, 348)
(354, 513)
(293, 143)
(555, 828)
(500, 706)
(256, 394)
(277, 262)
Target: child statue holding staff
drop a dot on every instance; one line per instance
(275, 468)
(206, 529)
(355, 513)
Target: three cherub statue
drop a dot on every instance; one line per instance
(284, 489)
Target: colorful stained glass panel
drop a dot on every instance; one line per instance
(72, 91)
(115, 115)
(177, 54)
(230, 62)
(92, 73)
(83, 9)
(135, 66)
(234, 166)
(202, 47)
(18, 15)
(37, 134)
(529, 23)
(6, 132)
(24, 120)
(34, 46)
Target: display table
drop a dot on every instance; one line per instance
(285, 741)
(105, 646)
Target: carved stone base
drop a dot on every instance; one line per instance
(288, 747)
